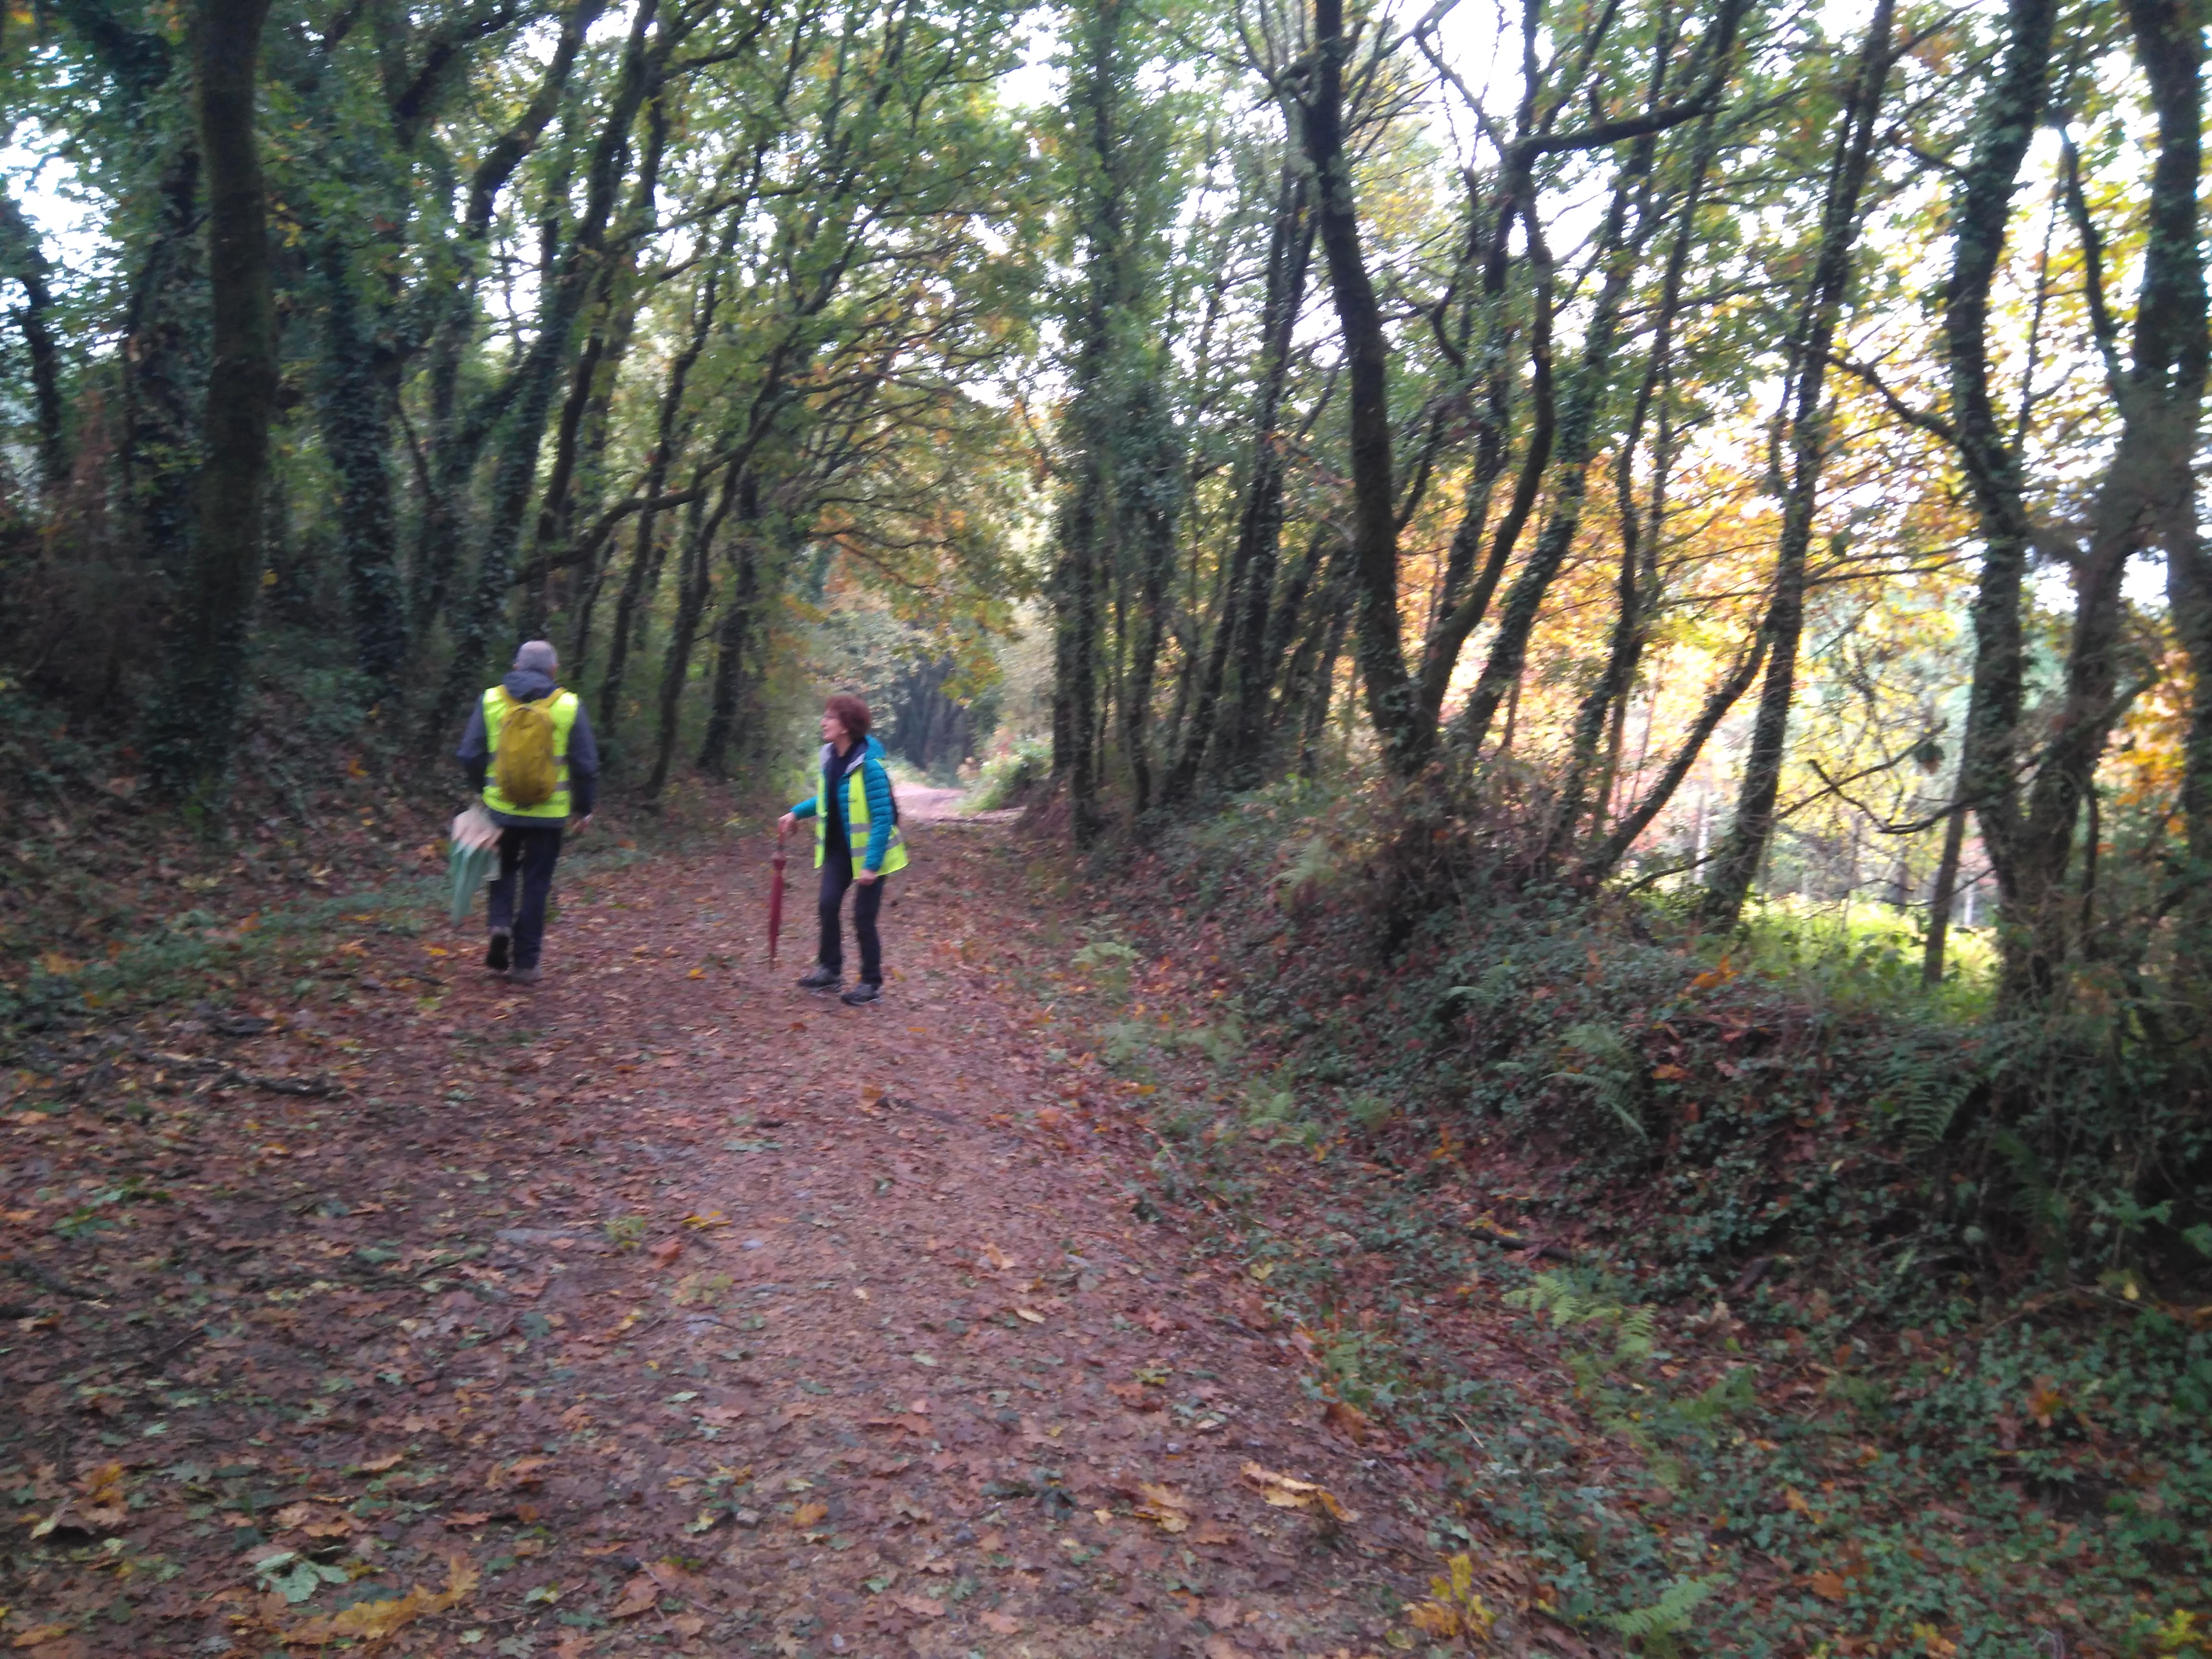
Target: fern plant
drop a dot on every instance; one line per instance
(1924, 1091)
(1569, 1299)
(1610, 1068)
(1654, 1629)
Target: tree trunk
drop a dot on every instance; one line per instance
(195, 722)
(356, 409)
(1407, 740)
(162, 429)
(1942, 895)
(23, 258)
(2008, 121)
(1290, 255)
(695, 585)
(1821, 312)
(456, 443)
(515, 471)
(1635, 586)
(1153, 487)
(733, 641)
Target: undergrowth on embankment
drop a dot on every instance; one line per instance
(1765, 1310)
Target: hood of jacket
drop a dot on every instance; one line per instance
(527, 684)
(867, 749)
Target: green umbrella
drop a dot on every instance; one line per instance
(475, 856)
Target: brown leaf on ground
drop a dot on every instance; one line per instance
(374, 1621)
(807, 1515)
(1287, 1493)
(1165, 1506)
(317, 1520)
(637, 1596)
(1349, 1421)
(922, 1607)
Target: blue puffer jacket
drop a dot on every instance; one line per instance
(874, 780)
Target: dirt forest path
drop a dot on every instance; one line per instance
(664, 1308)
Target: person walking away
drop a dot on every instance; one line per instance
(529, 751)
(857, 844)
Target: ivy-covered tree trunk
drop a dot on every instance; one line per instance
(357, 406)
(1392, 703)
(733, 639)
(23, 258)
(1112, 152)
(1152, 483)
(514, 471)
(1821, 312)
(195, 722)
(1243, 738)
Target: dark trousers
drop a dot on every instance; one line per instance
(530, 855)
(836, 877)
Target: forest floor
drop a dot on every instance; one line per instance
(663, 1307)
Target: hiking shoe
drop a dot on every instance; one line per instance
(495, 950)
(526, 976)
(862, 993)
(821, 979)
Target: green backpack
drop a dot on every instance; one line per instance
(523, 768)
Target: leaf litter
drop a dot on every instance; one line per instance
(489, 1339)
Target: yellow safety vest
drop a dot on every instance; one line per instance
(564, 711)
(856, 827)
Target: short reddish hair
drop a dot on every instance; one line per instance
(852, 712)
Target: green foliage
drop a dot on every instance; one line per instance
(1600, 1059)
(1011, 779)
(626, 1232)
(1672, 1615)
(1573, 1298)
(1824, 1184)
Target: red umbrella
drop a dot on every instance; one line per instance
(775, 898)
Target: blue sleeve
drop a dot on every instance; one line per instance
(878, 782)
(473, 753)
(807, 808)
(583, 765)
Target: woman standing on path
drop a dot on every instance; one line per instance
(856, 843)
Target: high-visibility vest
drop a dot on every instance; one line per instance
(856, 826)
(564, 711)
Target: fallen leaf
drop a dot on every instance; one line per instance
(1287, 1493)
(1169, 1508)
(39, 1633)
(638, 1596)
(1004, 1623)
(469, 1518)
(921, 1607)
(1031, 1315)
(998, 1258)
(379, 1465)
(667, 1250)
(1347, 1421)
(374, 1621)
(1830, 1586)
(317, 1521)
(807, 1514)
